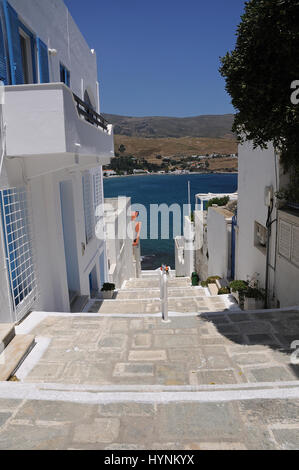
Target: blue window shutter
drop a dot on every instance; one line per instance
(14, 45)
(62, 78)
(43, 58)
(3, 68)
(65, 75)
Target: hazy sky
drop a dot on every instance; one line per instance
(160, 57)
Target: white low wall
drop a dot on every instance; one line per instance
(219, 242)
(43, 120)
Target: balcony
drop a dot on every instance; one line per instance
(47, 120)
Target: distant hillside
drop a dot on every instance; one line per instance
(173, 147)
(213, 126)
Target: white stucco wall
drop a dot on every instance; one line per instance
(179, 244)
(256, 172)
(119, 240)
(184, 250)
(219, 242)
(189, 245)
(49, 242)
(201, 244)
(51, 21)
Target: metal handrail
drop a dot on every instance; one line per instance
(89, 114)
(164, 295)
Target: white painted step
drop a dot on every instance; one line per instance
(95, 394)
(155, 283)
(14, 354)
(153, 306)
(7, 333)
(213, 289)
(186, 292)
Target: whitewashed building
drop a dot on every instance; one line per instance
(266, 251)
(214, 238)
(123, 240)
(54, 143)
(207, 246)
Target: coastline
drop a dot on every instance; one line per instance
(172, 189)
(175, 174)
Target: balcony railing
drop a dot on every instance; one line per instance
(89, 114)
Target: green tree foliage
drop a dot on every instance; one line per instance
(128, 164)
(259, 73)
(122, 148)
(220, 201)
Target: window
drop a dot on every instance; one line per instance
(18, 249)
(88, 206)
(28, 54)
(288, 241)
(260, 237)
(65, 76)
(27, 68)
(98, 204)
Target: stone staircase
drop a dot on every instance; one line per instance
(142, 296)
(13, 350)
(78, 302)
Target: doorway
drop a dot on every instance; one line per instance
(69, 238)
(93, 283)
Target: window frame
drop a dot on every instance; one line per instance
(31, 53)
(67, 75)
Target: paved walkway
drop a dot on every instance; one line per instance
(215, 381)
(210, 349)
(255, 424)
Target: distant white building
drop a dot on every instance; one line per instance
(54, 143)
(207, 246)
(140, 172)
(214, 253)
(260, 176)
(109, 173)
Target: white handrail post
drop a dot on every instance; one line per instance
(164, 294)
(165, 303)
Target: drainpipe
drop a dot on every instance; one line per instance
(268, 226)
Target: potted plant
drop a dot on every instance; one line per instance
(108, 290)
(237, 289)
(223, 290)
(254, 299)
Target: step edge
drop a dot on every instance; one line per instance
(17, 360)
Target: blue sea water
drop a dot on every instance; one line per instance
(168, 189)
